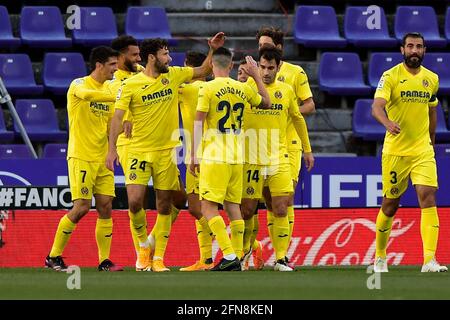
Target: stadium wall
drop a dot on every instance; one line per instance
(321, 237)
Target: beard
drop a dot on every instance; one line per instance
(413, 61)
(160, 67)
(130, 66)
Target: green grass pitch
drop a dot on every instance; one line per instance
(305, 283)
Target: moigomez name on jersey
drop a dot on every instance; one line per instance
(224, 90)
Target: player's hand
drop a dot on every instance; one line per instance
(309, 160)
(111, 158)
(251, 67)
(127, 128)
(217, 41)
(392, 127)
(194, 168)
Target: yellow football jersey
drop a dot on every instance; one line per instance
(296, 77)
(224, 99)
(153, 104)
(265, 129)
(408, 100)
(187, 100)
(88, 119)
(120, 76)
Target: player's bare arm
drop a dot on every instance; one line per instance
(379, 113)
(194, 166)
(206, 68)
(433, 122)
(307, 106)
(116, 129)
(251, 68)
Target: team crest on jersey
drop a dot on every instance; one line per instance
(165, 81)
(281, 78)
(394, 191)
(278, 94)
(250, 191)
(133, 176)
(425, 83)
(84, 191)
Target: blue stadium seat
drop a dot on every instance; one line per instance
(360, 32)
(39, 119)
(5, 135)
(442, 150)
(60, 69)
(317, 27)
(43, 27)
(364, 125)
(447, 25)
(55, 151)
(419, 19)
(98, 27)
(7, 40)
(440, 64)
(380, 62)
(15, 151)
(148, 22)
(341, 73)
(177, 58)
(442, 133)
(17, 74)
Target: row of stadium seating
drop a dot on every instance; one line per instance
(315, 26)
(340, 73)
(58, 72)
(40, 121)
(43, 26)
(21, 151)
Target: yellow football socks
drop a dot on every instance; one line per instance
(383, 225)
(162, 231)
(237, 236)
(429, 230)
(219, 230)
(280, 236)
(204, 242)
(139, 224)
(248, 233)
(62, 236)
(103, 236)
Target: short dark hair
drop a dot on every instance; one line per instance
(195, 58)
(151, 46)
(412, 35)
(101, 54)
(222, 57)
(275, 34)
(122, 42)
(243, 61)
(269, 53)
(222, 51)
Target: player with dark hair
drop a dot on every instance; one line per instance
(405, 104)
(89, 105)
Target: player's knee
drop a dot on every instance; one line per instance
(179, 199)
(104, 210)
(280, 209)
(164, 207)
(247, 211)
(135, 205)
(196, 213)
(427, 199)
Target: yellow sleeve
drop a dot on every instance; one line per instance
(433, 102)
(254, 98)
(124, 95)
(302, 90)
(299, 124)
(203, 99)
(182, 74)
(83, 93)
(385, 87)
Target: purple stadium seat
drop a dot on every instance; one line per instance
(442, 150)
(7, 40)
(39, 119)
(5, 135)
(419, 19)
(440, 64)
(148, 22)
(43, 27)
(177, 58)
(60, 69)
(17, 74)
(380, 62)
(364, 125)
(55, 151)
(357, 32)
(447, 25)
(317, 27)
(340, 73)
(15, 151)
(98, 27)
(442, 133)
